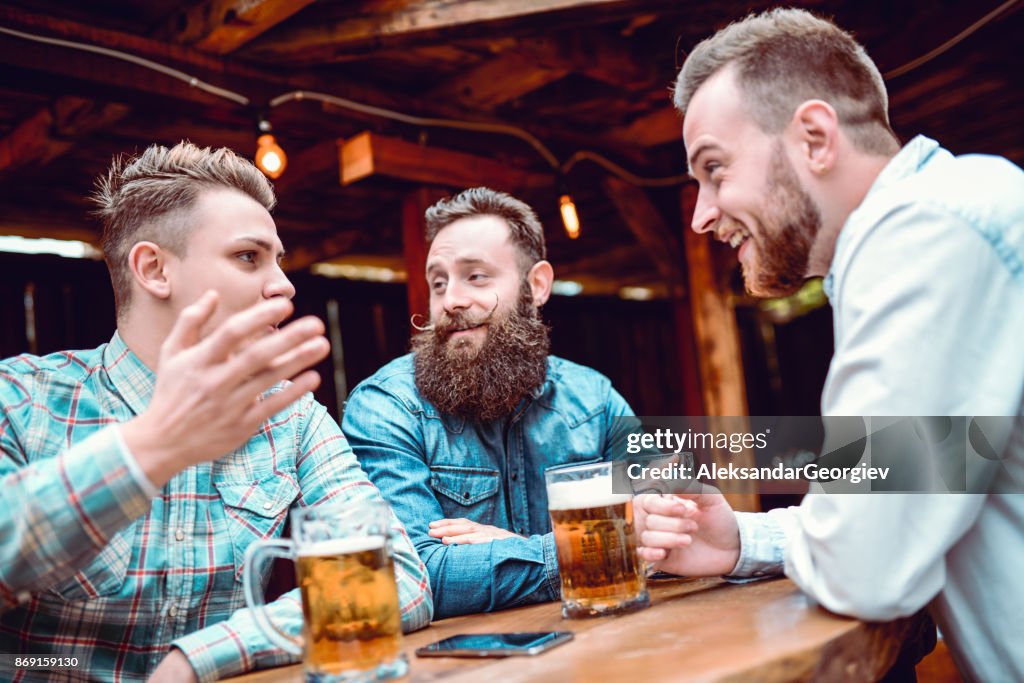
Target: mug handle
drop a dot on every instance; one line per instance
(254, 556)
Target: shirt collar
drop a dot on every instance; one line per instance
(129, 375)
(907, 162)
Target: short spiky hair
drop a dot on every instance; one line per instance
(784, 57)
(525, 229)
(143, 198)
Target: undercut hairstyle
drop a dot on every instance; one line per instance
(148, 197)
(525, 229)
(784, 57)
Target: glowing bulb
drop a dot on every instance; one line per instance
(569, 217)
(270, 158)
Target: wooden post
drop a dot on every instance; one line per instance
(718, 348)
(414, 247)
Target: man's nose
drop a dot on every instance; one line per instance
(279, 285)
(705, 213)
(455, 297)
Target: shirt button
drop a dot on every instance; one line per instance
(179, 535)
(515, 475)
(465, 495)
(758, 573)
(173, 611)
(267, 506)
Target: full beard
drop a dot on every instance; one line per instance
(791, 226)
(487, 384)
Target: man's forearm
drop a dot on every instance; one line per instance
(483, 577)
(57, 513)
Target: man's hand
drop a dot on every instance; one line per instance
(207, 399)
(688, 534)
(174, 668)
(456, 531)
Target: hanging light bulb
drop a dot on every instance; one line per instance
(570, 218)
(270, 158)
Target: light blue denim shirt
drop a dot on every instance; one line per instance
(927, 286)
(431, 466)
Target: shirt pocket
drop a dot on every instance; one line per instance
(256, 510)
(469, 492)
(105, 575)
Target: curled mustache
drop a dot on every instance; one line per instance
(448, 323)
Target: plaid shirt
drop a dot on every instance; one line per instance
(94, 566)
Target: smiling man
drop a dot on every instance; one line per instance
(458, 433)
(787, 132)
(134, 476)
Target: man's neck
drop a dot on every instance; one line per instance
(844, 192)
(144, 337)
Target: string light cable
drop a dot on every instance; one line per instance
(484, 127)
(193, 81)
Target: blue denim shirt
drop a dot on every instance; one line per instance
(431, 466)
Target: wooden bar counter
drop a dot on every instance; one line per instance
(695, 630)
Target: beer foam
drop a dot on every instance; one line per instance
(587, 493)
(341, 546)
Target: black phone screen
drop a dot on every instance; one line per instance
(494, 644)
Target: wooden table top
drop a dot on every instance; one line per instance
(695, 630)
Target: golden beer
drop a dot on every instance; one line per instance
(596, 546)
(350, 604)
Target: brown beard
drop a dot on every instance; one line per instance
(792, 222)
(487, 384)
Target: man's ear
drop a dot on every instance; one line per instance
(540, 277)
(148, 263)
(815, 128)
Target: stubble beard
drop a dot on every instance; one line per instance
(792, 222)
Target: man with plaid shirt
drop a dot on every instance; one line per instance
(133, 476)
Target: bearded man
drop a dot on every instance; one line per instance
(787, 134)
(458, 433)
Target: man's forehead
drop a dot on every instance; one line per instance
(716, 109)
(227, 215)
(477, 237)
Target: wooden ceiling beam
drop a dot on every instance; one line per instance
(222, 26)
(659, 127)
(374, 24)
(369, 154)
(51, 130)
(499, 80)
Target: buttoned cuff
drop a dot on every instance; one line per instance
(215, 652)
(762, 546)
(551, 566)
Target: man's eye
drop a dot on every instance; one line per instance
(247, 256)
(438, 285)
(477, 277)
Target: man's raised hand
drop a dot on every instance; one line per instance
(208, 398)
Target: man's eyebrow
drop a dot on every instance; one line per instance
(700, 149)
(262, 244)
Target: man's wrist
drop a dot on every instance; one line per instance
(153, 455)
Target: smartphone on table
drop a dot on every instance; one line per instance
(495, 644)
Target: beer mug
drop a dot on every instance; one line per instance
(352, 624)
(595, 541)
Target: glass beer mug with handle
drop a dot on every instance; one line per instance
(595, 541)
(352, 624)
